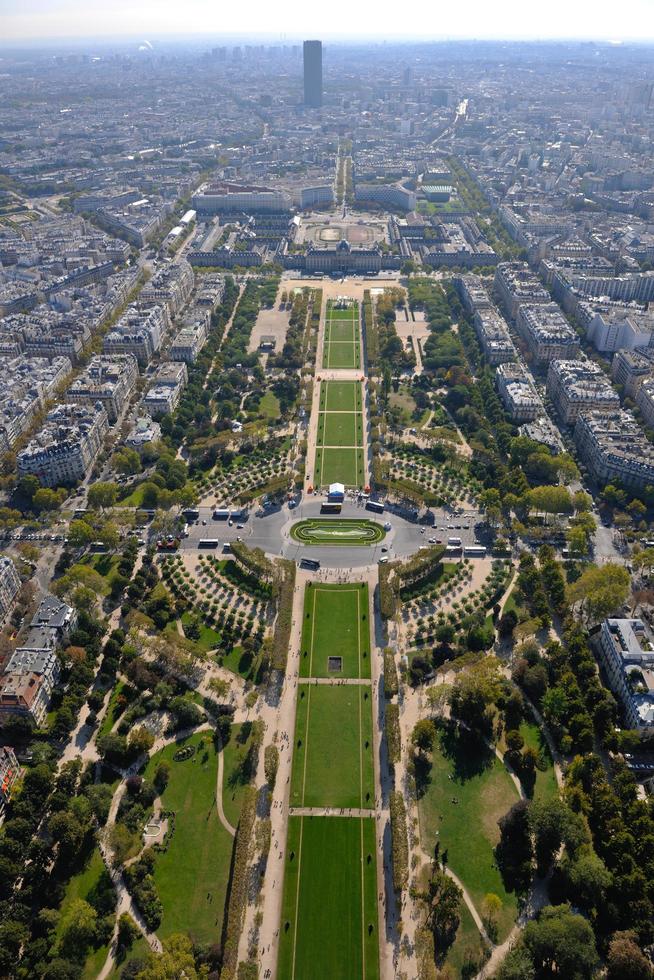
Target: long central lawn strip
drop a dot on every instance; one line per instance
(465, 770)
(340, 396)
(336, 625)
(342, 330)
(330, 901)
(339, 466)
(340, 429)
(332, 755)
(343, 355)
(192, 875)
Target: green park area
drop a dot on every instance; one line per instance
(336, 632)
(332, 754)
(463, 791)
(337, 530)
(341, 396)
(191, 876)
(342, 346)
(340, 429)
(344, 465)
(329, 912)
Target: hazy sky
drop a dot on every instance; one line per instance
(594, 19)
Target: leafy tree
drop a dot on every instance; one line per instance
(76, 928)
(516, 965)
(102, 495)
(588, 879)
(176, 960)
(423, 735)
(475, 691)
(80, 534)
(625, 960)
(561, 943)
(600, 590)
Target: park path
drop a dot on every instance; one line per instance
(219, 794)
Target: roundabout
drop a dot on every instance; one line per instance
(330, 531)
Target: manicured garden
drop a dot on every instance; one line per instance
(339, 466)
(336, 530)
(341, 396)
(329, 912)
(340, 429)
(332, 754)
(464, 770)
(335, 625)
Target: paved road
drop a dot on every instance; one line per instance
(271, 533)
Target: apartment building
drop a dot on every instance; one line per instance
(579, 385)
(515, 284)
(170, 286)
(139, 332)
(166, 390)
(109, 380)
(192, 337)
(517, 392)
(9, 585)
(26, 384)
(494, 337)
(548, 334)
(64, 450)
(472, 292)
(619, 330)
(613, 447)
(10, 771)
(626, 652)
(630, 367)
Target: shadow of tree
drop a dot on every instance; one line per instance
(467, 753)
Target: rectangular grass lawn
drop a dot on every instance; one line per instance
(339, 466)
(340, 396)
(342, 330)
(340, 429)
(342, 354)
(192, 875)
(332, 755)
(330, 901)
(465, 770)
(335, 625)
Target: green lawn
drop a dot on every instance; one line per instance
(468, 948)
(324, 607)
(192, 875)
(139, 951)
(208, 639)
(339, 466)
(340, 429)
(465, 770)
(235, 775)
(82, 885)
(135, 499)
(340, 396)
(269, 406)
(337, 530)
(112, 714)
(332, 755)
(329, 912)
(545, 786)
(346, 331)
(342, 355)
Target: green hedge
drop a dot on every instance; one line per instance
(238, 884)
(392, 729)
(400, 841)
(271, 764)
(284, 589)
(391, 684)
(388, 597)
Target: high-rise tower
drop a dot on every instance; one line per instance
(313, 74)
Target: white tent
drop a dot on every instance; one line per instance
(336, 489)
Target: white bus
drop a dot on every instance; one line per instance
(474, 551)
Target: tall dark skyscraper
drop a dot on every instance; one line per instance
(313, 74)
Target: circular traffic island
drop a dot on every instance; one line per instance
(331, 531)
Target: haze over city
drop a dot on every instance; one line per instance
(326, 491)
